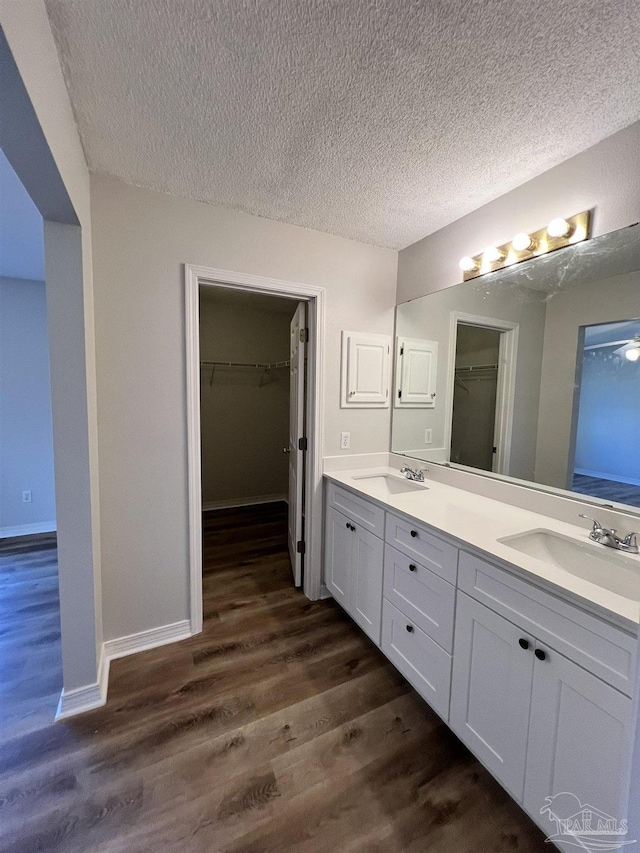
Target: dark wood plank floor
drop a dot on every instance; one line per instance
(281, 727)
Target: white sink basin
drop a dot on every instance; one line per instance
(597, 564)
(387, 484)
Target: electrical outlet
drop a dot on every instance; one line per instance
(26, 496)
(345, 440)
(428, 436)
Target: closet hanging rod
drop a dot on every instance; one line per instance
(473, 367)
(252, 364)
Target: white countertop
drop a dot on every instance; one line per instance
(480, 522)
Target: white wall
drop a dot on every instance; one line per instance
(141, 239)
(244, 424)
(68, 274)
(605, 177)
(26, 441)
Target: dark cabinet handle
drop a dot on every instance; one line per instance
(410, 628)
(412, 567)
(414, 533)
(540, 654)
(524, 644)
(350, 527)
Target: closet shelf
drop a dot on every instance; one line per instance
(473, 368)
(251, 364)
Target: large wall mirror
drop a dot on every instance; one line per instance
(531, 372)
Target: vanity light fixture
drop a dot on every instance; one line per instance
(521, 242)
(526, 245)
(633, 354)
(559, 227)
(467, 264)
(492, 254)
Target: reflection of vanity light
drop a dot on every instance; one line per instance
(558, 228)
(492, 254)
(467, 264)
(521, 242)
(633, 354)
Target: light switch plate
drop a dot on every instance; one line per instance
(428, 436)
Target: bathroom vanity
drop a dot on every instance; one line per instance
(515, 629)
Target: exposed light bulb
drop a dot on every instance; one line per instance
(633, 354)
(467, 264)
(492, 254)
(521, 242)
(558, 227)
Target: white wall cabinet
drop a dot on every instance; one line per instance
(416, 373)
(365, 370)
(353, 571)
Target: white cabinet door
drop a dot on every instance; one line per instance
(578, 740)
(366, 582)
(338, 566)
(491, 690)
(365, 371)
(416, 373)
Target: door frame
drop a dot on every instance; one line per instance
(315, 299)
(505, 397)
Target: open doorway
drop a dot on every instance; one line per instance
(252, 405)
(607, 413)
(294, 454)
(481, 390)
(29, 595)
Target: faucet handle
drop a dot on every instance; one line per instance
(631, 540)
(596, 524)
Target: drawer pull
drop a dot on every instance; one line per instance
(414, 533)
(412, 567)
(524, 644)
(540, 654)
(410, 628)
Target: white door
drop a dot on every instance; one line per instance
(416, 373)
(578, 739)
(366, 582)
(491, 690)
(296, 433)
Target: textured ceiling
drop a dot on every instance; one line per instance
(379, 120)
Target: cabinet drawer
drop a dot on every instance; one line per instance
(416, 541)
(424, 597)
(599, 647)
(359, 510)
(421, 660)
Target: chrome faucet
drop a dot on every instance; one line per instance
(605, 536)
(418, 476)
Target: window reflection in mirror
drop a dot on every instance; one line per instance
(529, 376)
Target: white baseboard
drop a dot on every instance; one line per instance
(85, 698)
(92, 696)
(27, 529)
(144, 640)
(233, 502)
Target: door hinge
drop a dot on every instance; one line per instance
(304, 336)
(303, 444)
(401, 350)
(494, 449)
(399, 394)
(300, 547)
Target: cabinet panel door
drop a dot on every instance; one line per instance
(338, 557)
(416, 373)
(365, 378)
(578, 740)
(491, 690)
(366, 582)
